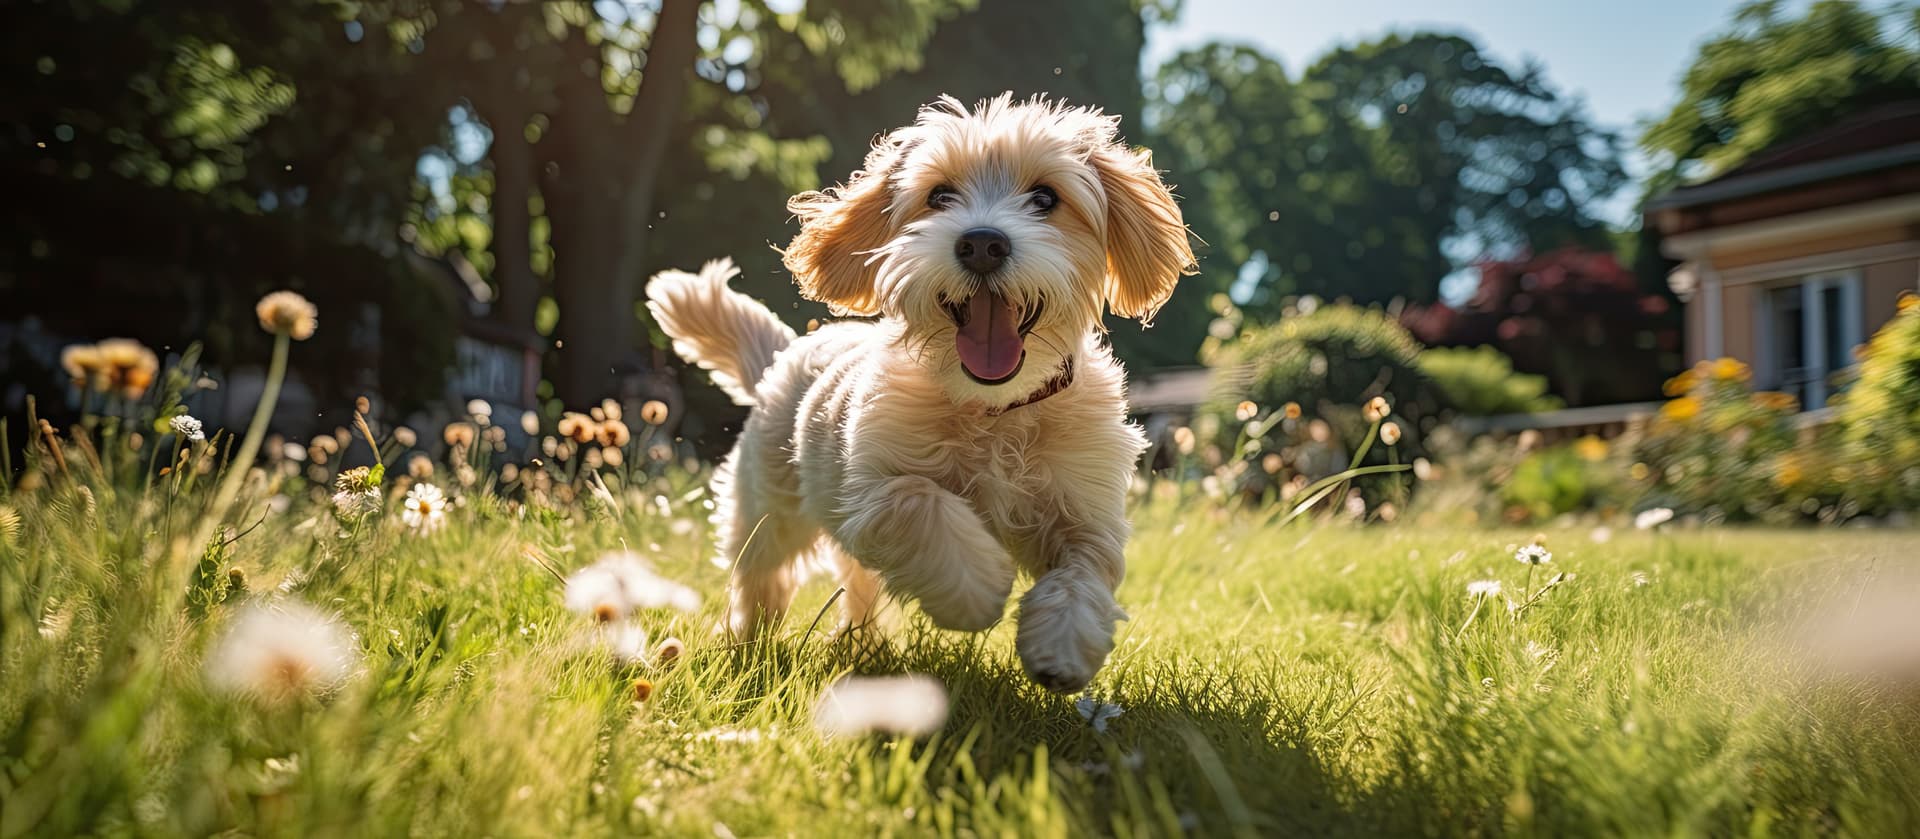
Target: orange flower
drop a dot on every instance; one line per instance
(1730, 370)
(1246, 410)
(1292, 410)
(1377, 409)
(578, 427)
(654, 412)
(1679, 385)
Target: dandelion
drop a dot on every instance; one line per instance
(287, 313)
(188, 427)
(405, 436)
(912, 705)
(85, 366)
(1390, 433)
(1650, 519)
(669, 652)
(578, 427)
(1246, 410)
(1096, 712)
(129, 366)
(642, 690)
(613, 434)
(1291, 410)
(624, 641)
(281, 651)
(479, 409)
(654, 412)
(1377, 409)
(1483, 588)
(1534, 554)
(459, 435)
(425, 509)
(420, 467)
(530, 423)
(621, 583)
(1183, 440)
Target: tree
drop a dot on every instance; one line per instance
(1384, 161)
(1770, 77)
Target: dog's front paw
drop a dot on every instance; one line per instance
(1066, 630)
(970, 603)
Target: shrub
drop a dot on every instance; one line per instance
(1480, 381)
(1568, 478)
(1330, 360)
(1879, 416)
(1721, 450)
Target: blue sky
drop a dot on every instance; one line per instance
(1624, 57)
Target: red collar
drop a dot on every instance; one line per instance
(1052, 386)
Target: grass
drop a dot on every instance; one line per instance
(1310, 679)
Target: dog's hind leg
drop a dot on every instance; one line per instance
(762, 541)
(861, 601)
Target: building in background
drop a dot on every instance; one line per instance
(1791, 260)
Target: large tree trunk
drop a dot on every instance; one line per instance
(517, 286)
(600, 197)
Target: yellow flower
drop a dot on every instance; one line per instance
(1731, 370)
(1292, 410)
(1590, 448)
(287, 313)
(1908, 302)
(1681, 409)
(1639, 471)
(1788, 474)
(578, 427)
(1679, 385)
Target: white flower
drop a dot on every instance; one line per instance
(1650, 519)
(913, 705)
(1601, 535)
(626, 641)
(621, 583)
(479, 408)
(188, 427)
(1533, 555)
(1640, 578)
(425, 509)
(282, 650)
(1483, 588)
(1096, 712)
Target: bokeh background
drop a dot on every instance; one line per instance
(1459, 208)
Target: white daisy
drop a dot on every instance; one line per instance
(188, 427)
(913, 705)
(1483, 588)
(1096, 712)
(282, 650)
(621, 583)
(1533, 555)
(425, 508)
(1650, 519)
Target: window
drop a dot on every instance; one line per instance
(1807, 332)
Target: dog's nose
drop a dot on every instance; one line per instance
(983, 250)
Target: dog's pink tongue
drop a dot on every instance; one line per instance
(990, 343)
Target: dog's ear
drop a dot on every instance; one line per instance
(1147, 248)
(840, 228)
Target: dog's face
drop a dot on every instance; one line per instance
(995, 236)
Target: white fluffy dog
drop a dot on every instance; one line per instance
(978, 426)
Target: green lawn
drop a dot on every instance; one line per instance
(1304, 680)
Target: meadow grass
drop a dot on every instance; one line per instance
(1309, 679)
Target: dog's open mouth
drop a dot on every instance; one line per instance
(990, 335)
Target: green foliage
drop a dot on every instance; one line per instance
(1480, 381)
(1563, 479)
(1771, 77)
(1879, 414)
(1349, 180)
(1330, 359)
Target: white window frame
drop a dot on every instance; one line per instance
(1813, 333)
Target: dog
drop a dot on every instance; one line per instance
(978, 426)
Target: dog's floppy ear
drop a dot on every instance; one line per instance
(840, 227)
(1147, 248)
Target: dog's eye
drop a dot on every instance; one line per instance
(942, 197)
(1043, 199)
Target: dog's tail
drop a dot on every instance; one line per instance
(731, 335)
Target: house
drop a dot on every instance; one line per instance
(1794, 258)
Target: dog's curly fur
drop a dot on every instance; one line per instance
(871, 451)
